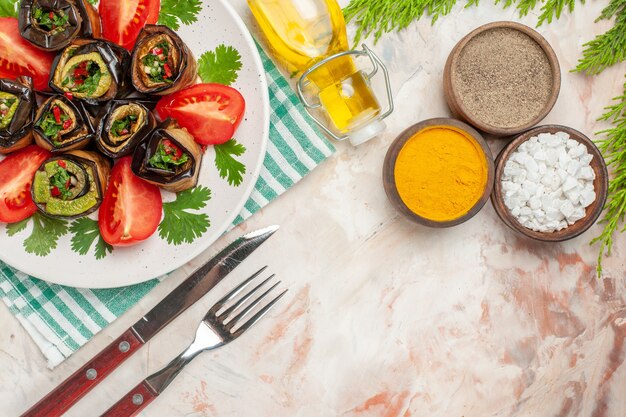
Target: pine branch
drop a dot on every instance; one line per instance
(608, 48)
(376, 17)
(613, 147)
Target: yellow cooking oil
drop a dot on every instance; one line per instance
(300, 33)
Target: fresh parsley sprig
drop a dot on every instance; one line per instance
(179, 223)
(229, 168)
(176, 12)
(44, 236)
(8, 8)
(220, 66)
(85, 231)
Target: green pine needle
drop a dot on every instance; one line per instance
(613, 147)
(608, 48)
(376, 17)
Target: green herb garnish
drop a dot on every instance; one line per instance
(220, 66)
(168, 156)
(44, 236)
(179, 224)
(175, 12)
(228, 167)
(50, 20)
(123, 126)
(85, 231)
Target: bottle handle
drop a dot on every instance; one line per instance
(303, 82)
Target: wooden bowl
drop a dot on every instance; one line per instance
(592, 212)
(390, 166)
(454, 100)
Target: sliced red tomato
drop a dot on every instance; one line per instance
(131, 209)
(210, 112)
(18, 57)
(123, 20)
(16, 176)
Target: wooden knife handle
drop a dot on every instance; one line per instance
(133, 402)
(59, 400)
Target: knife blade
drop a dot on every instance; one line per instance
(59, 400)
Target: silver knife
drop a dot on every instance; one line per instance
(59, 400)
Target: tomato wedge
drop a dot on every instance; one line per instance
(123, 20)
(210, 112)
(16, 176)
(131, 208)
(18, 57)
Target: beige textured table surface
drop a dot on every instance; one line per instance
(384, 317)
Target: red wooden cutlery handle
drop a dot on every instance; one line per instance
(133, 402)
(59, 400)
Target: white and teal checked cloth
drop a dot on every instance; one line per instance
(62, 319)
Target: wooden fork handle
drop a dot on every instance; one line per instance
(59, 400)
(133, 402)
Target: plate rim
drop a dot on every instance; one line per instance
(218, 231)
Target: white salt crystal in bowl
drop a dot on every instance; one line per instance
(563, 201)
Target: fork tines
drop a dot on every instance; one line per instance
(245, 309)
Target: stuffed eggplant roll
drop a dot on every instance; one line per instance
(161, 62)
(71, 185)
(17, 108)
(52, 24)
(169, 158)
(125, 125)
(90, 70)
(62, 125)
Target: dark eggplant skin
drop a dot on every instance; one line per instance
(98, 164)
(41, 38)
(185, 176)
(79, 137)
(103, 142)
(116, 58)
(185, 73)
(19, 133)
(92, 25)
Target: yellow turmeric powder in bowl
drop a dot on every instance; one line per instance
(441, 172)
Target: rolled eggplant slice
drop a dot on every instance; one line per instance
(71, 185)
(49, 24)
(161, 62)
(17, 109)
(92, 25)
(90, 70)
(169, 158)
(125, 125)
(62, 125)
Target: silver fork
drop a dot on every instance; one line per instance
(216, 329)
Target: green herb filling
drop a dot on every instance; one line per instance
(155, 63)
(84, 77)
(168, 156)
(49, 20)
(124, 126)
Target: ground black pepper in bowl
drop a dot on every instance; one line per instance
(503, 78)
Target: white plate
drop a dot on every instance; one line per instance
(217, 23)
